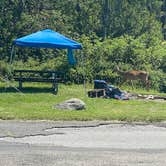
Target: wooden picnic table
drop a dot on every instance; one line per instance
(38, 76)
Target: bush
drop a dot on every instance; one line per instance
(162, 86)
(157, 80)
(5, 70)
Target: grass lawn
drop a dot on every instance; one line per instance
(38, 104)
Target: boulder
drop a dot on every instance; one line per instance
(71, 104)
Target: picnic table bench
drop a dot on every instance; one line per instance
(37, 76)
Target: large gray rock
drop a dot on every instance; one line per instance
(72, 104)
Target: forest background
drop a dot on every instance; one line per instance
(127, 33)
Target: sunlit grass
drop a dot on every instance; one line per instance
(38, 103)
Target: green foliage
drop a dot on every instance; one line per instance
(5, 70)
(157, 79)
(162, 85)
(163, 63)
(113, 32)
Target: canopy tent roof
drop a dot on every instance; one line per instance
(47, 39)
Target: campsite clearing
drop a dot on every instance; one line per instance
(37, 103)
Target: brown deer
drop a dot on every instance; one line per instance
(134, 75)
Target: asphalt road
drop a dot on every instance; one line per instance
(81, 144)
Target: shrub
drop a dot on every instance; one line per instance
(5, 69)
(157, 80)
(162, 86)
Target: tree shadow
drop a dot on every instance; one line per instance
(26, 90)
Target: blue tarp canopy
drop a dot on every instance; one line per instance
(49, 39)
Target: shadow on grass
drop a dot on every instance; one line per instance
(27, 90)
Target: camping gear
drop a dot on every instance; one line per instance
(110, 90)
(96, 93)
(100, 84)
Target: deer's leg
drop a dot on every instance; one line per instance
(147, 82)
(132, 84)
(122, 82)
(147, 85)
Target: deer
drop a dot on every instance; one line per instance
(134, 75)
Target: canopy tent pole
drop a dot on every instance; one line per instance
(12, 55)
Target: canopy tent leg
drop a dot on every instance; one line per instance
(12, 55)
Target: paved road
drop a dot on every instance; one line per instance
(81, 144)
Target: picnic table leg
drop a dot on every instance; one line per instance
(55, 88)
(20, 84)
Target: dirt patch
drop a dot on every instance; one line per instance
(134, 96)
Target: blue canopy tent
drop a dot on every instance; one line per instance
(48, 39)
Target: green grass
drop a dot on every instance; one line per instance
(38, 104)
